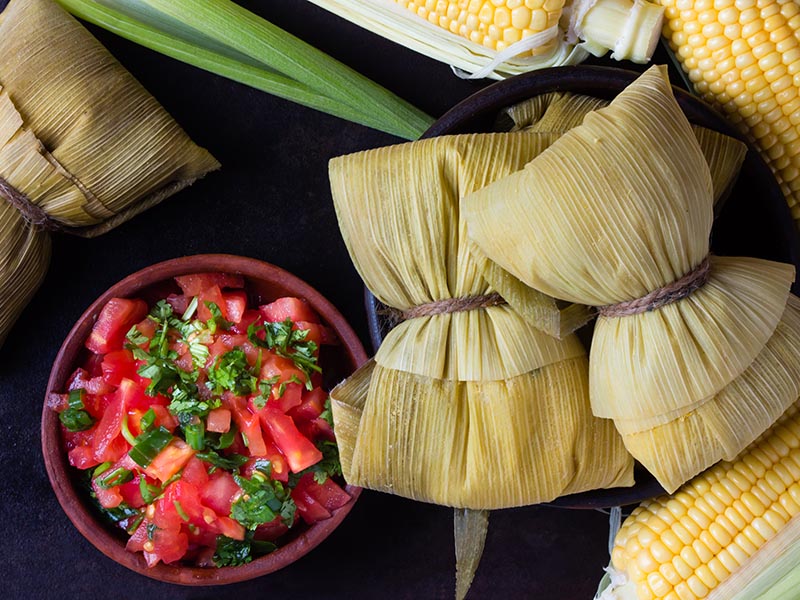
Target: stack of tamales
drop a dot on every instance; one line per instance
(465, 404)
(693, 356)
(83, 147)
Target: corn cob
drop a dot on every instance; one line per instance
(721, 530)
(743, 57)
(500, 38)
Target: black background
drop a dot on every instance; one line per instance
(270, 201)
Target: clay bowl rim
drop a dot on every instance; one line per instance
(478, 113)
(62, 475)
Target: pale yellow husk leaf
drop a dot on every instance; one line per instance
(94, 121)
(659, 361)
(441, 441)
(24, 255)
(590, 220)
(723, 426)
(615, 209)
(561, 111)
(398, 210)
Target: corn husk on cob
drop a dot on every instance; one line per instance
(450, 397)
(498, 39)
(83, 146)
(619, 209)
(730, 533)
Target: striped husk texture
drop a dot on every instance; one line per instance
(80, 140)
(449, 398)
(613, 210)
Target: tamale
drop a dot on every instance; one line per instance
(557, 113)
(455, 399)
(617, 214)
(83, 147)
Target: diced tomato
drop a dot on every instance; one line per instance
(232, 340)
(220, 492)
(82, 457)
(215, 350)
(108, 430)
(113, 322)
(206, 298)
(235, 305)
(247, 423)
(249, 317)
(312, 405)
(317, 429)
(317, 333)
(310, 510)
(229, 527)
(288, 308)
(165, 514)
(219, 420)
(147, 327)
(269, 532)
(108, 498)
(139, 537)
(252, 353)
(170, 460)
(131, 493)
(300, 453)
(92, 365)
(98, 386)
(179, 303)
(328, 494)
(164, 418)
(132, 394)
(192, 285)
(118, 365)
(284, 369)
(168, 546)
(78, 380)
(58, 402)
(195, 473)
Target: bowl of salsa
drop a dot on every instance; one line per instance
(186, 427)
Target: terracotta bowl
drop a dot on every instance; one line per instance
(753, 220)
(264, 283)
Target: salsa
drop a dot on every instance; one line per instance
(201, 422)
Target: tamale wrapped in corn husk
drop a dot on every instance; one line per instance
(83, 147)
(455, 399)
(617, 214)
(557, 113)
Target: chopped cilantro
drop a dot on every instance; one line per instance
(329, 466)
(288, 343)
(216, 320)
(232, 372)
(232, 553)
(230, 462)
(262, 501)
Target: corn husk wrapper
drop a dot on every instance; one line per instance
(557, 113)
(615, 209)
(79, 138)
(450, 399)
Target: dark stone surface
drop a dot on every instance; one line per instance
(270, 201)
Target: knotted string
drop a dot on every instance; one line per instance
(441, 307)
(32, 213)
(677, 290)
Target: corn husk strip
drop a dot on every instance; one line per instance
(434, 347)
(470, 528)
(558, 112)
(689, 349)
(577, 226)
(438, 441)
(24, 255)
(723, 426)
(346, 412)
(77, 100)
(396, 23)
